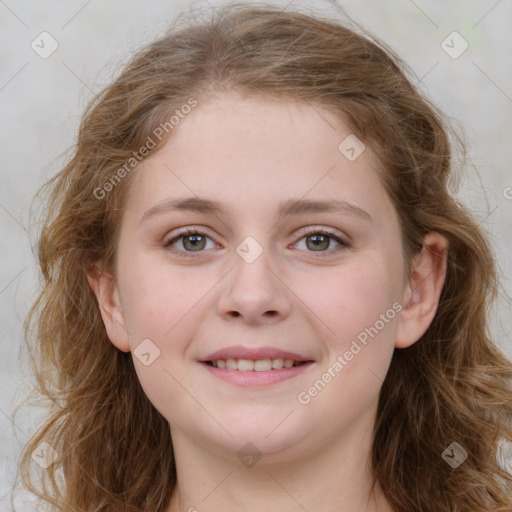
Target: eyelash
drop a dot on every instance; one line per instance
(308, 232)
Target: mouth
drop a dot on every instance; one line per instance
(255, 365)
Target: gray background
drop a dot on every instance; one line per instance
(41, 101)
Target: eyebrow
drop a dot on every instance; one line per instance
(289, 207)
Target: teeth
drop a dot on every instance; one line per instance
(245, 365)
(260, 365)
(277, 363)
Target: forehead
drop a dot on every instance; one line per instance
(248, 151)
(230, 125)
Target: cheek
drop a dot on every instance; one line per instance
(157, 297)
(355, 309)
(163, 304)
(359, 343)
(350, 298)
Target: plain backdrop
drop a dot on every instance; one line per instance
(42, 99)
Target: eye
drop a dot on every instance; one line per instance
(194, 240)
(319, 239)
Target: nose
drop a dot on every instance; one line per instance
(255, 291)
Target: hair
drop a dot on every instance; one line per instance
(452, 385)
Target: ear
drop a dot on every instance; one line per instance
(106, 290)
(422, 291)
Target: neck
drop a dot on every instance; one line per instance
(335, 477)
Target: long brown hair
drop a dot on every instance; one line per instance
(114, 448)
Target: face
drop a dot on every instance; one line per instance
(322, 287)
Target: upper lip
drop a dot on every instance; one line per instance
(240, 352)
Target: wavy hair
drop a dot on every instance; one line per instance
(453, 385)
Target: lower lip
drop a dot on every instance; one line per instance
(253, 378)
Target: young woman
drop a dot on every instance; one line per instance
(259, 292)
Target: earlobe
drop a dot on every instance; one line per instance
(423, 290)
(107, 293)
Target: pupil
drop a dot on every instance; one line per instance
(322, 238)
(195, 243)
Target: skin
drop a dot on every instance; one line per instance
(251, 154)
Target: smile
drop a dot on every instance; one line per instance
(256, 373)
(259, 365)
